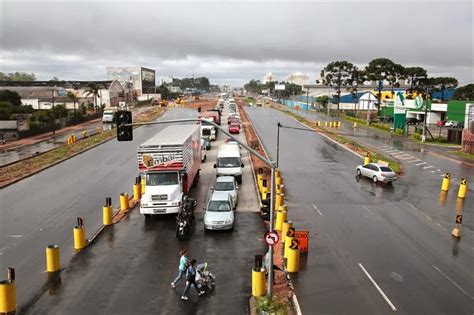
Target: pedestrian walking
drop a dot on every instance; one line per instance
(191, 280)
(183, 265)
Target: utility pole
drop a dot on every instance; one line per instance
(52, 114)
(423, 136)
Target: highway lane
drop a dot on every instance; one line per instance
(42, 209)
(399, 235)
(423, 160)
(129, 268)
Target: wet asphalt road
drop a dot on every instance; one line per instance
(416, 158)
(42, 209)
(128, 269)
(399, 235)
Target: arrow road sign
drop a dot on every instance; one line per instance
(271, 238)
(294, 244)
(459, 218)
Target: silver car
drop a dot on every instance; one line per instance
(377, 172)
(219, 213)
(229, 185)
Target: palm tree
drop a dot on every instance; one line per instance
(74, 98)
(92, 88)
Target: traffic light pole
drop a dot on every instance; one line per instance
(271, 164)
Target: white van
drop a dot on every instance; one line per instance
(229, 162)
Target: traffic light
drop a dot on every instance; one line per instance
(124, 133)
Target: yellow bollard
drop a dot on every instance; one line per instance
(288, 240)
(318, 123)
(367, 159)
(74, 138)
(284, 230)
(354, 125)
(283, 207)
(7, 297)
(280, 217)
(79, 237)
(338, 124)
(446, 182)
(462, 189)
(278, 181)
(124, 202)
(280, 189)
(107, 215)
(84, 134)
(52, 258)
(277, 173)
(279, 200)
(325, 124)
(293, 262)
(260, 182)
(258, 283)
(143, 185)
(137, 194)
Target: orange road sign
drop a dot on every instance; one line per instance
(458, 219)
(303, 238)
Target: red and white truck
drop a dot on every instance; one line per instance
(170, 162)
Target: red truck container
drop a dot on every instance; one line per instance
(170, 162)
(211, 115)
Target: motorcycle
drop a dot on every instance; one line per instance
(185, 218)
(205, 280)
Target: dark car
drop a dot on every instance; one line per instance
(413, 121)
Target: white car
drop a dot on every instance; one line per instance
(219, 213)
(377, 172)
(108, 116)
(227, 184)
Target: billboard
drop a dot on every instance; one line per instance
(148, 80)
(279, 87)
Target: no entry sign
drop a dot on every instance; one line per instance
(271, 237)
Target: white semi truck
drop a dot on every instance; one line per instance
(170, 162)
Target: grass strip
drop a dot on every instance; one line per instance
(349, 143)
(464, 155)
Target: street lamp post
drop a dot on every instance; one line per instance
(53, 114)
(423, 136)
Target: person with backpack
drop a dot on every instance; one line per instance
(191, 280)
(183, 265)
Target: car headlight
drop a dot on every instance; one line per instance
(144, 204)
(175, 203)
(228, 221)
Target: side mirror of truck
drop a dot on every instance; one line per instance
(215, 165)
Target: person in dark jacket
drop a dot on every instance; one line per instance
(191, 280)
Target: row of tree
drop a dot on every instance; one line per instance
(345, 75)
(257, 87)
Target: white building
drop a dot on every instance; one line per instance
(298, 78)
(269, 77)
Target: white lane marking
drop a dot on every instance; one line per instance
(14, 236)
(411, 206)
(438, 224)
(452, 281)
(438, 170)
(316, 208)
(429, 218)
(420, 163)
(378, 288)
(383, 146)
(427, 167)
(432, 171)
(368, 210)
(412, 161)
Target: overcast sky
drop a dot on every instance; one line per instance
(233, 42)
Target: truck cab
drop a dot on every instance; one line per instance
(163, 193)
(208, 131)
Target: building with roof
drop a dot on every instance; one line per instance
(269, 77)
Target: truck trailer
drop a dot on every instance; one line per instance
(170, 162)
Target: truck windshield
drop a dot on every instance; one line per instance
(228, 162)
(218, 206)
(162, 178)
(219, 186)
(206, 132)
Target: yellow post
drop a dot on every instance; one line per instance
(79, 237)
(124, 202)
(279, 200)
(143, 184)
(260, 182)
(74, 138)
(462, 189)
(354, 125)
(280, 189)
(52, 258)
(367, 158)
(288, 240)
(284, 229)
(7, 297)
(293, 262)
(278, 181)
(446, 182)
(137, 194)
(280, 217)
(258, 283)
(318, 123)
(283, 207)
(325, 124)
(84, 134)
(338, 124)
(107, 215)
(277, 173)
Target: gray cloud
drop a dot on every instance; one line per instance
(233, 42)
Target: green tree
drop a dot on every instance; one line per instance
(72, 96)
(92, 88)
(395, 74)
(10, 96)
(464, 93)
(338, 74)
(323, 100)
(17, 76)
(379, 70)
(415, 75)
(443, 83)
